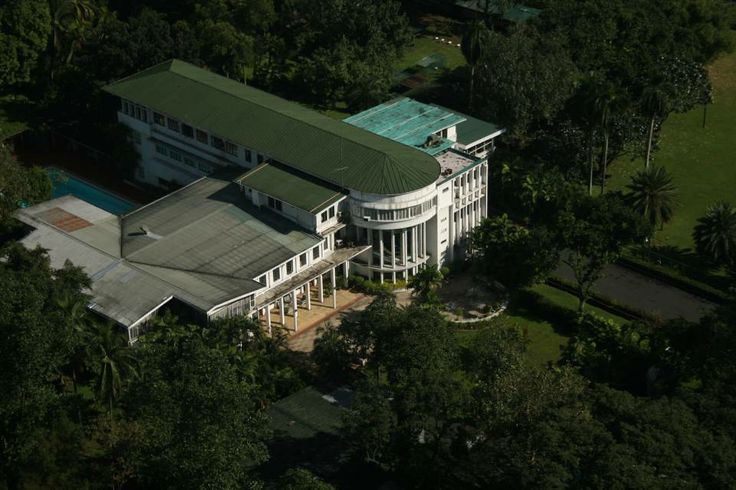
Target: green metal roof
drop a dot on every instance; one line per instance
(472, 129)
(409, 122)
(286, 185)
(287, 132)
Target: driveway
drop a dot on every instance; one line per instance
(637, 291)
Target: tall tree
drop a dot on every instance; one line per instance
(36, 341)
(511, 254)
(592, 234)
(523, 79)
(19, 185)
(654, 103)
(653, 196)
(201, 423)
(112, 360)
(476, 39)
(607, 104)
(715, 234)
(25, 28)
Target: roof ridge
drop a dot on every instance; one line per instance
(285, 114)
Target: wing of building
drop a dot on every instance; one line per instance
(306, 198)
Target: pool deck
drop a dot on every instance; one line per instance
(87, 169)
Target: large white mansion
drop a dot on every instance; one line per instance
(270, 199)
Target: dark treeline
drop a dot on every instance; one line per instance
(632, 406)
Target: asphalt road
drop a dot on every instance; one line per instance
(635, 290)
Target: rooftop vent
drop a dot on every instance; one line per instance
(143, 230)
(432, 140)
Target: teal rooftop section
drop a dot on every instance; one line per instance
(473, 129)
(516, 13)
(409, 122)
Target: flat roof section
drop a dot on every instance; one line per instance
(408, 122)
(472, 129)
(288, 132)
(516, 13)
(288, 186)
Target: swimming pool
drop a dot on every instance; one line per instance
(65, 183)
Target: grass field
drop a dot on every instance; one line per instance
(424, 46)
(701, 160)
(546, 338)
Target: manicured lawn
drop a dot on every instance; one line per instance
(701, 160)
(547, 336)
(425, 46)
(12, 121)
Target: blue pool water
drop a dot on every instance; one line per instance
(64, 183)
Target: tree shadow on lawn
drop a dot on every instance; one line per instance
(686, 262)
(530, 304)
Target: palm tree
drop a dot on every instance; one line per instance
(715, 234)
(474, 45)
(113, 360)
(653, 195)
(71, 19)
(425, 282)
(654, 103)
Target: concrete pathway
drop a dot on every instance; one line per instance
(641, 292)
(303, 340)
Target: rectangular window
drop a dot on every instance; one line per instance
(332, 212)
(274, 203)
(217, 143)
(205, 168)
(144, 115)
(231, 148)
(303, 260)
(190, 162)
(315, 252)
(161, 149)
(187, 130)
(173, 124)
(289, 267)
(137, 112)
(202, 137)
(276, 274)
(158, 119)
(248, 156)
(175, 155)
(324, 216)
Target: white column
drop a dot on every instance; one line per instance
(404, 254)
(346, 269)
(281, 310)
(321, 290)
(334, 288)
(380, 249)
(296, 310)
(393, 251)
(268, 318)
(369, 232)
(451, 232)
(415, 243)
(309, 295)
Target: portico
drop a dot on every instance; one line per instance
(315, 287)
